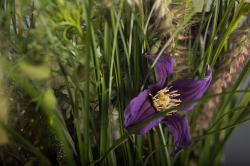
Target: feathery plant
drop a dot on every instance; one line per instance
(69, 69)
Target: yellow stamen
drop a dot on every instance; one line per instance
(163, 100)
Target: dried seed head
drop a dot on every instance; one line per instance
(231, 65)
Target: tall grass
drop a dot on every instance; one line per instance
(70, 68)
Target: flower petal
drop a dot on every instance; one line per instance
(130, 113)
(190, 89)
(164, 67)
(179, 129)
(138, 110)
(146, 127)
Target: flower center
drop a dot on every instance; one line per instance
(163, 100)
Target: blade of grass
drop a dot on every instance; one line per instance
(221, 129)
(243, 101)
(234, 87)
(85, 111)
(235, 21)
(120, 93)
(221, 118)
(150, 149)
(162, 142)
(225, 17)
(197, 39)
(115, 28)
(224, 24)
(136, 71)
(204, 154)
(193, 122)
(213, 31)
(146, 161)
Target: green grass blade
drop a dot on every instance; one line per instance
(235, 21)
(225, 17)
(213, 30)
(234, 87)
(162, 143)
(221, 129)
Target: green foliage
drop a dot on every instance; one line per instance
(68, 69)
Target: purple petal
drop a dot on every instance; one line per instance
(146, 127)
(138, 110)
(179, 129)
(164, 67)
(130, 113)
(190, 89)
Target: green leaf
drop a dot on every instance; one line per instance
(38, 162)
(35, 71)
(4, 139)
(50, 99)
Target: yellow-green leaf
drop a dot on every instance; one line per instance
(50, 99)
(35, 71)
(3, 136)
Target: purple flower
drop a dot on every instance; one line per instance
(159, 97)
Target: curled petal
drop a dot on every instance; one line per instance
(146, 127)
(164, 67)
(179, 129)
(138, 110)
(190, 89)
(133, 108)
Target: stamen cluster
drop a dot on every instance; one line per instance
(163, 100)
